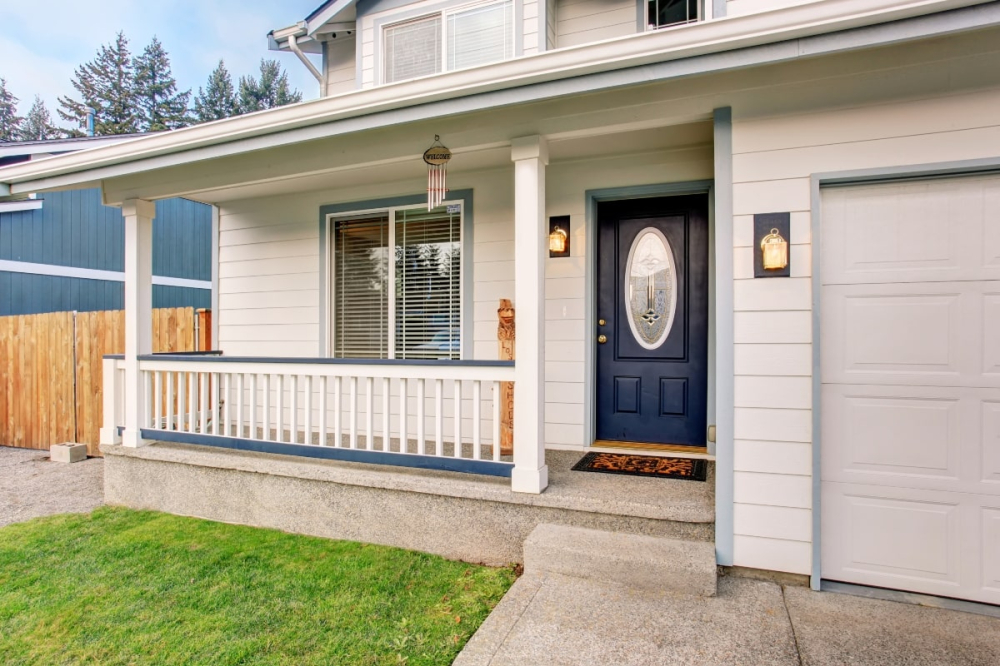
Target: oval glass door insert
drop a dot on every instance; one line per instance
(650, 288)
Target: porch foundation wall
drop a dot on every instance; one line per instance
(387, 508)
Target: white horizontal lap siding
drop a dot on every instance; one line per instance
(531, 30)
(584, 21)
(341, 65)
(269, 277)
(774, 159)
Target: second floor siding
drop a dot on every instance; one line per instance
(396, 40)
(584, 21)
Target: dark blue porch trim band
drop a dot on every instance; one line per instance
(327, 361)
(482, 467)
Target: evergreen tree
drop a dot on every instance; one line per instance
(158, 104)
(37, 125)
(9, 120)
(107, 85)
(218, 99)
(268, 92)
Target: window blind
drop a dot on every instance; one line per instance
(413, 49)
(361, 295)
(481, 35)
(428, 284)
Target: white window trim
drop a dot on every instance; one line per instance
(648, 27)
(443, 18)
(391, 305)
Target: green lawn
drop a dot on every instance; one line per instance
(137, 587)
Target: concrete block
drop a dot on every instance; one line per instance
(68, 452)
(648, 563)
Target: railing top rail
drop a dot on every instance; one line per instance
(295, 360)
(159, 355)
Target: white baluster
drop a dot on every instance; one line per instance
(354, 412)
(369, 413)
(338, 406)
(267, 408)
(308, 437)
(438, 417)
(158, 400)
(404, 434)
(147, 399)
(227, 404)
(322, 410)
(254, 381)
(280, 413)
(458, 418)
(203, 411)
(421, 425)
(169, 406)
(477, 423)
(386, 433)
(294, 435)
(181, 401)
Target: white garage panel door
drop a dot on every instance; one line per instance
(910, 346)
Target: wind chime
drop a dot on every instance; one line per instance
(437, 158)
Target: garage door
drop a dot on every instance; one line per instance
(910, 352)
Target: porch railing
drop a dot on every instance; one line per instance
(425, 414)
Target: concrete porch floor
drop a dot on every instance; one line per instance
(554, 620)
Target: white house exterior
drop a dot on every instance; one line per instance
(852, 409)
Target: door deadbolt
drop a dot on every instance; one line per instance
(601, 322)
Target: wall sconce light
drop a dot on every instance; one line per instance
(559, 236)
(771, 232)
(774, 249)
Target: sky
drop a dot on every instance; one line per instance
(43, 41)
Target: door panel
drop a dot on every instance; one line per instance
(652, 294)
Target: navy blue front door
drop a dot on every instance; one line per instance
(652, 312)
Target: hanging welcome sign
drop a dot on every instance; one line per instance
(437, 158)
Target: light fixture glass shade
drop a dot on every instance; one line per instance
(557, 240)
(774, 249)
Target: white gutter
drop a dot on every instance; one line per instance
(294, 46)
(634, 51)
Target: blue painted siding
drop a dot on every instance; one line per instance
(75, 229)
(22, 294)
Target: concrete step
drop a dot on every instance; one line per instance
(654, 564)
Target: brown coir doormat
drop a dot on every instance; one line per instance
(692, 469)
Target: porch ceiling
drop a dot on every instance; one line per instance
(663, 139)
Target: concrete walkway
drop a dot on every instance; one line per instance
(549, 619)
(32, 486)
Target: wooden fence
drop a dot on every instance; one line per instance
(51, 366)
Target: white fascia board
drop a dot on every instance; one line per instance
(327, 15)
(53, 270)
(56, 146)
(17, 206)
(365, 108)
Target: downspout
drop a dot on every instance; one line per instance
(294, 46)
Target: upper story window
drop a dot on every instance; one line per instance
(663, 13)
(454, 39)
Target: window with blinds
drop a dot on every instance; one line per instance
(420, 316)
(412, 49)
(481, 35)
(360, 286)
(456, 39)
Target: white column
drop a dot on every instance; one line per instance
(138, 308)
(530, 155)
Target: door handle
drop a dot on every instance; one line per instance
(602, 339)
